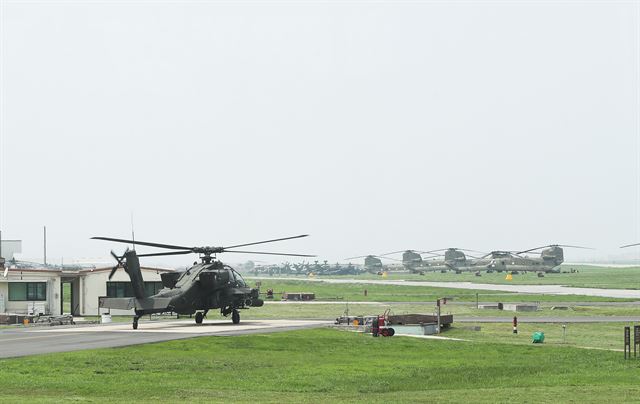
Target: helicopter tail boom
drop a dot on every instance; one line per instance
(156, 304)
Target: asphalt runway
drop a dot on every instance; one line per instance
(41, 340)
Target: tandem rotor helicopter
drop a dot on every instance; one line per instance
(207, 285)
(551, 256)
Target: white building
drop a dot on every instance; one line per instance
(40, 290)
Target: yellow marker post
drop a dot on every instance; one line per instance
(509, 277)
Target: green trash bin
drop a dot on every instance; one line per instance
(538, 337)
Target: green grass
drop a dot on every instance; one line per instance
(66, 297)
(294, 311)
(322, 366)
(354, 292)
(591, 335)
(331, 311)
(587, 276)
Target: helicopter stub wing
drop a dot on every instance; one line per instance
(129, 303)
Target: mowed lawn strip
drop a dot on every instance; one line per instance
(586, 276)
(405, 293)
(321, 365)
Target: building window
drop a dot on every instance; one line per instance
(119, 289)
(152, 288)
(125, 289)
(27, 291)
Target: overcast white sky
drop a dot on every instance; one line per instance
(372, 126)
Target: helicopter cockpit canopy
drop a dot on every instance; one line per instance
(235, 278)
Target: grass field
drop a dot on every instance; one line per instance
(331, 311)
(587, 276)
(592, 335)
(323, 366)
(400, 293)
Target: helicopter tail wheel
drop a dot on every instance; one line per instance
(235, 317)
(135, 323)
(199, 317)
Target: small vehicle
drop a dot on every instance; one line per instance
(379, 326)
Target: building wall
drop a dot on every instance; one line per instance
(94, 284)
(52, 279)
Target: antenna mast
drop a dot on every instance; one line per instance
(45, 246)
(133, 238)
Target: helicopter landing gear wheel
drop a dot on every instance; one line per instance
(235, 316)
(199, 317)
(135, 323)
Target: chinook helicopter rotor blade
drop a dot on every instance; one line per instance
(387, 258)
(453, 248)
(146, 243)
(360, 256)
(555, 245)
(395, 252)
(166, 253)
(266, 241)
(630, 245)
(269, 253)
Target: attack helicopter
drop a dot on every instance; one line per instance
(207, 285)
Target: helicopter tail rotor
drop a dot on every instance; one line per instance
(120, 263)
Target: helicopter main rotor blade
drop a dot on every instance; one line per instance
(395, 252)
(266, 241)
(555, 245)
(630, 245)
(360, 256)
(166, 253)
(269, 253)
(146, 243)
(473, 251)
(387, 258)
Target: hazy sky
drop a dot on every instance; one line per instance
(372, 126)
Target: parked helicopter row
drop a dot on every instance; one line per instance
(547, 260)
(307, 269)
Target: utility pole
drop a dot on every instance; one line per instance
(45, 246)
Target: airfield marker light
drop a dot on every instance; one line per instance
(564, 333)
(515, 324)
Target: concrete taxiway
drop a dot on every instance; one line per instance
(39, 340)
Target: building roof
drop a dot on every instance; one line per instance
(90, 270)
